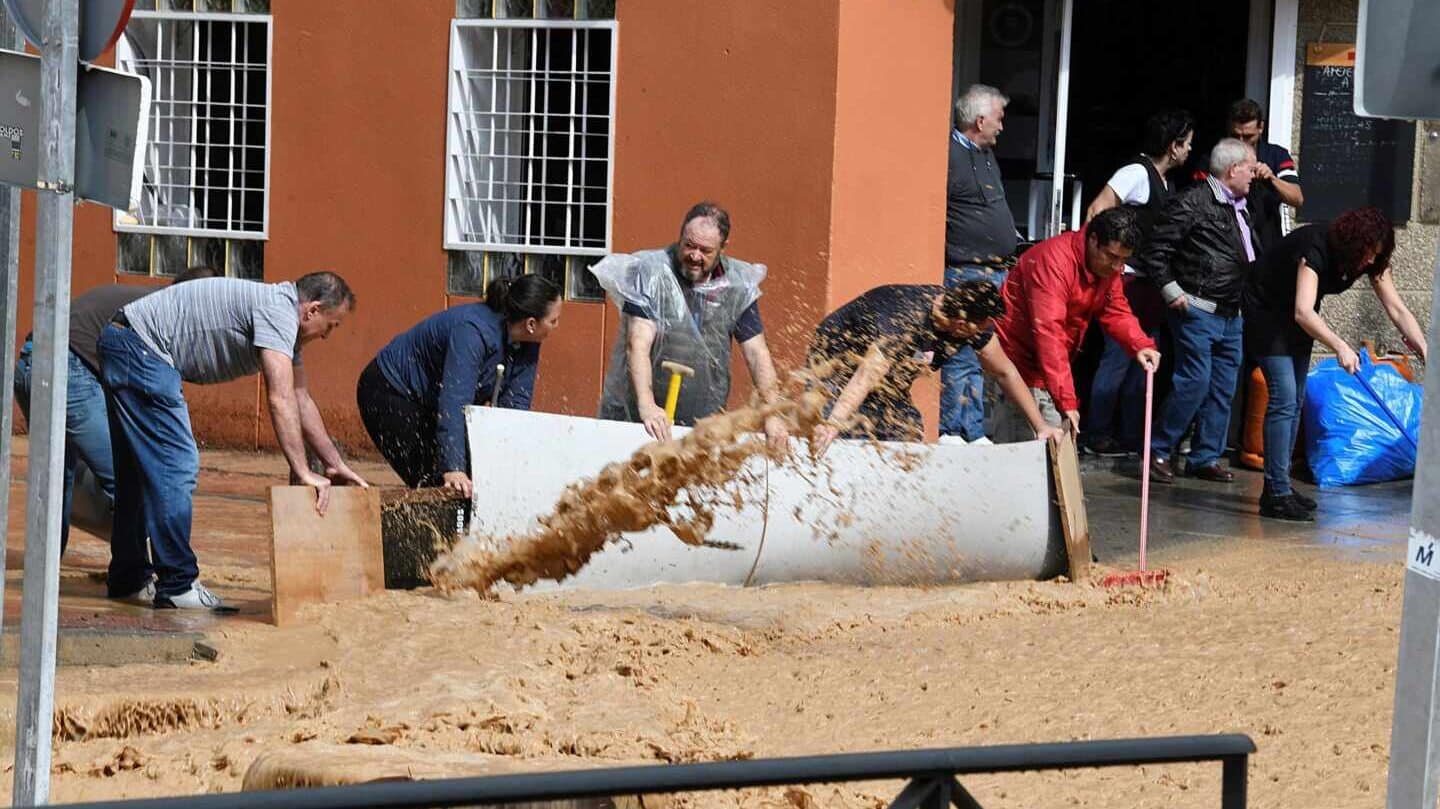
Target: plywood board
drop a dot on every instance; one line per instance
(1070, 496)
(315, 559)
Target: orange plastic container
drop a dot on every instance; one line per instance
(1400, 362)
(1252, 439)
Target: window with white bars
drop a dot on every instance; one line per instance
(529, 148)
(207, 159)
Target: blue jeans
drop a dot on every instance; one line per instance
(156, 463)
(87, 427)
(1119, 384)
(1208, 351)
(962, 385)
(1285, 380)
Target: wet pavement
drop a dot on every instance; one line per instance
(1362, 523)
(231, 534)
(231, 537)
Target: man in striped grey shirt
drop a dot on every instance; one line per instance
(208, 331)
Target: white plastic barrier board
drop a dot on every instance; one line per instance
(860, 516)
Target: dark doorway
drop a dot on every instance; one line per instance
(1130, 58)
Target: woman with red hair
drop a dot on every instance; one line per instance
(1282, 323)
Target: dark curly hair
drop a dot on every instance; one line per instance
(1355, 233)
(1116, 225)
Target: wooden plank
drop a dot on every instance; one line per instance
(1070, 496)
(316, 559)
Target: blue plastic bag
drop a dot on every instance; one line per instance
(1362, 427)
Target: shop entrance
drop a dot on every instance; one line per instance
(1131, 58)
(1083, 75)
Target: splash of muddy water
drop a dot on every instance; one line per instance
(628, 496)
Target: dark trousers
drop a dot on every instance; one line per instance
(887, 420)
(401, 428)
(156, 464)
(1117, 396)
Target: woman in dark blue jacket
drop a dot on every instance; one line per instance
(412, 396)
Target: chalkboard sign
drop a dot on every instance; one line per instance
(1347, 161)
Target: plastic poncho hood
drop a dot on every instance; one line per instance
(693, 324)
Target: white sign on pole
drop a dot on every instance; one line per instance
(19, 119)
(1421, 555)
(1397, 59)
(112, 118)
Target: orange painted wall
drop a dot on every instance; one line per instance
(357, 173)
(734, 102)
(819, 124)
(887, 209)
(92, 261)
(357, 185)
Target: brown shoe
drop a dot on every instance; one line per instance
(1161, 471)
(1214, 473)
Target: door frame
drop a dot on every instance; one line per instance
(1269, 75)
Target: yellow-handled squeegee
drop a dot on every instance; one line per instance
(672, 394)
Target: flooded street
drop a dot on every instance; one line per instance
(1283, 632)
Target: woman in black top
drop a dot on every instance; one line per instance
(1282, 323)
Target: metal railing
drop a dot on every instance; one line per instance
(931, 777)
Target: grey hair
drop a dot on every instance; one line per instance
(976, 102)
(326, 287)
(1226, 154)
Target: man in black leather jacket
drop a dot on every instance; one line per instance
(1198, 254)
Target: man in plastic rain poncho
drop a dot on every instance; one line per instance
(682, 305)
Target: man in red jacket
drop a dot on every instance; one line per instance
(1050, 297)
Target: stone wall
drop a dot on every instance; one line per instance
(1357, 316)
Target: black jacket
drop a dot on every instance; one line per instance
(1196, 248)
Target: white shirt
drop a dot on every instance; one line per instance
(1131, 183)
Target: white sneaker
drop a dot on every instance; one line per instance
(982, 441)
(143, 597)
(196, 598)
(952, 441)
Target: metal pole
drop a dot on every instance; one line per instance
(9, 305)
(39, 608)
(1234, 776)
(1415, 732)
(1062, 118)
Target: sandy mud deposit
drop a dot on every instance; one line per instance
(1277, 641)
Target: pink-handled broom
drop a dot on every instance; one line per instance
(1144, 576)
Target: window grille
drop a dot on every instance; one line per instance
(529, 163)
(207, 161)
